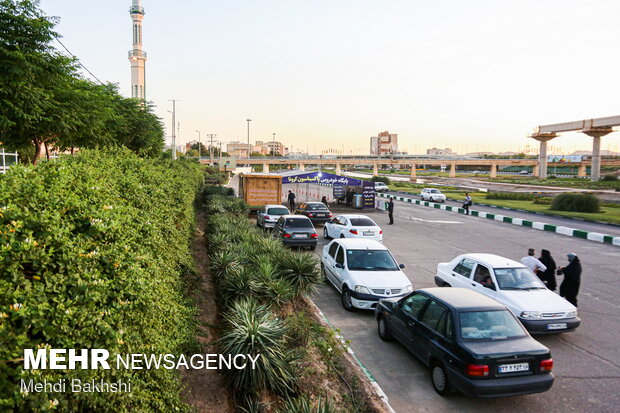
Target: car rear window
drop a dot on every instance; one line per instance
(489, 325)
(314, 207)
(277, 211)
(298, 223)
(362, 222)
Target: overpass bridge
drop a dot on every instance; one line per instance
(412, 162)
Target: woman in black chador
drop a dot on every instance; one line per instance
(572, 278)
(548, 277)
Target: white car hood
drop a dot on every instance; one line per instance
(535, 300)
(380, 279)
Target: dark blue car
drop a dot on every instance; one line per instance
(471, 342)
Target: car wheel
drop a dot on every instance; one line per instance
(445, 284)
(347, 302)
(384, 330)
(439, 378)
(324, 274)
(431, 199)
(257, 223)
(312, 248)
(325, 234)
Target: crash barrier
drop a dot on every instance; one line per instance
(571, 232)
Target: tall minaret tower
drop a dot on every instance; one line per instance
(137, 57)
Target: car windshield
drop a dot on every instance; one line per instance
(489, 325)
(315, 207)
(277, 211)
(517, 279)
(434, 191)
(371, 260)
(362, 222)
(298, 223)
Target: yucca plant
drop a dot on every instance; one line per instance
(254, 330)
(303, 404)
(301, 271)
(238, 283)
(269, 246)
(224, 261)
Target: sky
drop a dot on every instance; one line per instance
(328, 74)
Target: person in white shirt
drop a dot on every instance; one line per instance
(533, 263)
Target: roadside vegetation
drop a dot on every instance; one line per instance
(95, 254)
(262, 289)
(582, 183)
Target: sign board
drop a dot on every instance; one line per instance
(564, 158)
(368, 195)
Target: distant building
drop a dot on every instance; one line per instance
(238, 149)
(603, 153)
(507, 153)
(264, 148)
(478, 154)
(437, 151)
(384, 144)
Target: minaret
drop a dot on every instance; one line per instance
(137, 57)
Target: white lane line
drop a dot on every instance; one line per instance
(430, 220)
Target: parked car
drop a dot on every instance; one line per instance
(296, 231)
(524, 172)
(316, 211)
(433, 195)
(470, 342)
(270, 214)
(381, 187)
(514, 285)
(352, 226)
(363, 271)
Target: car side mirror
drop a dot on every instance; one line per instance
(338, 265)
(401, 266)
(490, 286)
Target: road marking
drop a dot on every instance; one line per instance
(430, 220)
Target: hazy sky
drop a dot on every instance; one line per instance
(471, 75)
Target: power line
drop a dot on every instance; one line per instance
(78, 60)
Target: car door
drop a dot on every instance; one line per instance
(260, 217)
(404, 318)
(461, 273)
(481, 273)
(424, 333)
(340, 273)
(278, 228)
(344, 226)
(329, 263)
(330, 227)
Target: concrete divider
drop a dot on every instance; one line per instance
(542, 226)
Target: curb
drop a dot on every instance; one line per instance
(571, 232)
(373, 382)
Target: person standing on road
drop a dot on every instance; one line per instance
(291, 200)
(390, 209)
(548, 276)
(324, 200)
(532, 263)
(572, 278)
(467, 203)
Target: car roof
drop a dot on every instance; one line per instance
(295, 217)
(354, 216)
(494, 261)
(275, 206)
(431, 188)
(463, 298)
(357, 243)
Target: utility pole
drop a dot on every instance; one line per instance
(174, 140)
(199, 146)
(273, 152)
(249, 147)
(211, 136)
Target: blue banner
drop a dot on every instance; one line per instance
(321, 178)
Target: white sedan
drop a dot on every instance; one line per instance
(363, 271)
(269, 215)
(352, 226)
(514, 285)
(433, 195)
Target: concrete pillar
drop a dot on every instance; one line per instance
(581, 172)
(302, 166)
(453, 170)
(596, 134)
(535, 171)
(493, 173)
(542, 160)
(375, 170)
(265, 167)
(413, 173)
(338, 169)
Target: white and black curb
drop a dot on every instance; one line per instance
(378, 390)
(571, 232)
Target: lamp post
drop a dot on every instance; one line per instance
(174, 140)
(211, 135)
(249, 148)
(199, 146)
(273, 150)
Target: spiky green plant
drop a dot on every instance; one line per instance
(301, 271)
(224, 261)
(238, 283)
(303, 404)
(254, 330)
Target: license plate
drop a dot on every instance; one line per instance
(369, 233)
(511, 368)
(320, 215)
(559, 326)
(300, 235)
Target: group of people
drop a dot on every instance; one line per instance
(546, 269)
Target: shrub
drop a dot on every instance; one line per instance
(510, 196)
(383, 179)
(96, 254)
(552, 177)
(542, 200)
(300, 270)
(304, 404)
(576, 203)
(609, 178)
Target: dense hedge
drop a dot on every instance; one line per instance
(95, 254)
(576, 203)
(516, 196)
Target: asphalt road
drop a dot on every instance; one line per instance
(586, 362)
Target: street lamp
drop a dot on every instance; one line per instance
(249, 148)
(273, 150)
(199, 146)
(211, 135)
